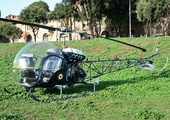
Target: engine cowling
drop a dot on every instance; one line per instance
(73, 54)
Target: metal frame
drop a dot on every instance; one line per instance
(96, 82)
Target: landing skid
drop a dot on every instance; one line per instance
(60, 87)
(96, 82)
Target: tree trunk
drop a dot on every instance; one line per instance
(35, 32)
(34, 37)
(91, 31)
(146, 28)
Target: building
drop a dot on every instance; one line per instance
(80, 30)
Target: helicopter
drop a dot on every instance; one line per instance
(42, 64)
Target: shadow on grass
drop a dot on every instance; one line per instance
(83, 90)
(88, 88)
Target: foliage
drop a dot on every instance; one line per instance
(117, 13)
(144, 10)
(90, 11)
(162, 12)
(147, 113)
(62, 12)
(35, 13)
(152, 11)
(10, 117)
(9, 30)
(57, 13)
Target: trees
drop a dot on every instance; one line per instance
(90, 11)
(117, 13)
(63, 12)
(162, 15)
(35, 13)
(152, 11)
(10, 31)
(93, 11)
(144, 13)
(58, 12)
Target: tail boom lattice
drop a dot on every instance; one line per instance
(99, 67)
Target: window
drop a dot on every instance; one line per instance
(28, 27)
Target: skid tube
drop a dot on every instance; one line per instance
(95, 83)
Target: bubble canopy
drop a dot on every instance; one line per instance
(35, 52)
(35, 49)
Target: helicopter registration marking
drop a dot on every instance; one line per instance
(77, 56)
(60, 76)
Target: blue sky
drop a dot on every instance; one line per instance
(15, 6)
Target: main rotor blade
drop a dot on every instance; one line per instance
(31, 24)
(59, 29)
(144, 50)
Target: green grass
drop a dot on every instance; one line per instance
(130, 94)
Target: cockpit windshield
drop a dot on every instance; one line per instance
(37, 50)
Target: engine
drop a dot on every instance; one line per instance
(75, 74)
(73, 54)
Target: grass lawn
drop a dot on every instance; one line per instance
(129, 94)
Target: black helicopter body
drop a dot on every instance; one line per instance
(32, 68)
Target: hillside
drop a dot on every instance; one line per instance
(130, 94)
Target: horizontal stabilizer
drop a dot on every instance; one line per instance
(146, 66)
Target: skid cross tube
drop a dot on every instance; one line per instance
(96, 82)
(60, 87)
